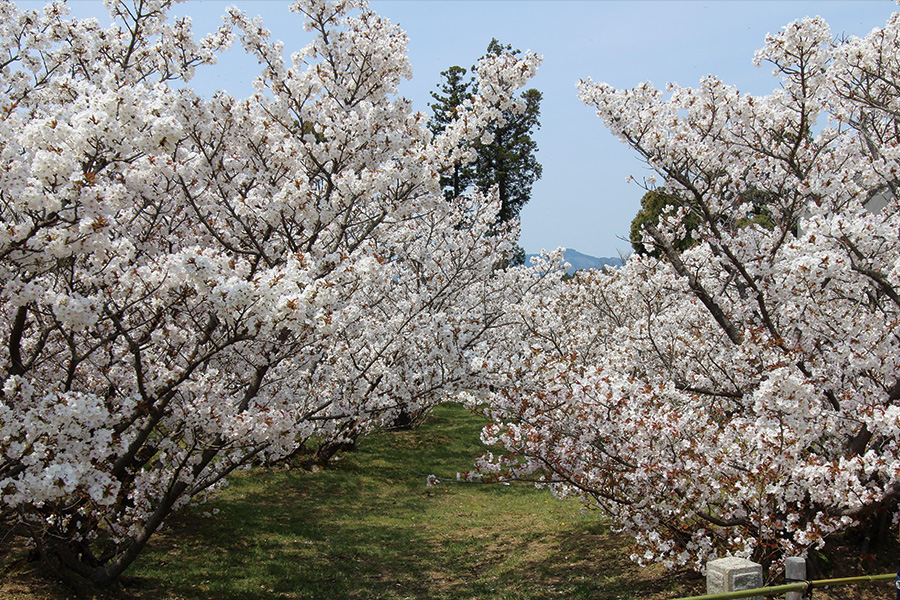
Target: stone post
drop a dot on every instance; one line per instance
(794, 571)
(733, 574)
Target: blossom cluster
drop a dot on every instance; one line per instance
(743, 395)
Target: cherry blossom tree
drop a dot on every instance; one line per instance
(191, 285)
(740, 395)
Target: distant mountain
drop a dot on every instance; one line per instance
(579, 261)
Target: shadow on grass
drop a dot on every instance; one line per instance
(300, 536)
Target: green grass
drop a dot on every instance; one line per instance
(368, 527)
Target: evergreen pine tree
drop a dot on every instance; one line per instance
(451, 95)
(508, 161)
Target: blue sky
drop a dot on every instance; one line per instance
(583, 200)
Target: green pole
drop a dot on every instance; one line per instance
(763, 591)
(802, 586)
(848, 580)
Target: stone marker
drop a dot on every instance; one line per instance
(794, 571)
(733, 574)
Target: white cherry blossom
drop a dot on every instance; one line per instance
(741, 396)
(192, 285)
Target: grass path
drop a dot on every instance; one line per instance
(368, 527)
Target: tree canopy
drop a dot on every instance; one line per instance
(194, 285)
(655, 204)
(738, 393)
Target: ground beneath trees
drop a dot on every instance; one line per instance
(370, 528)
